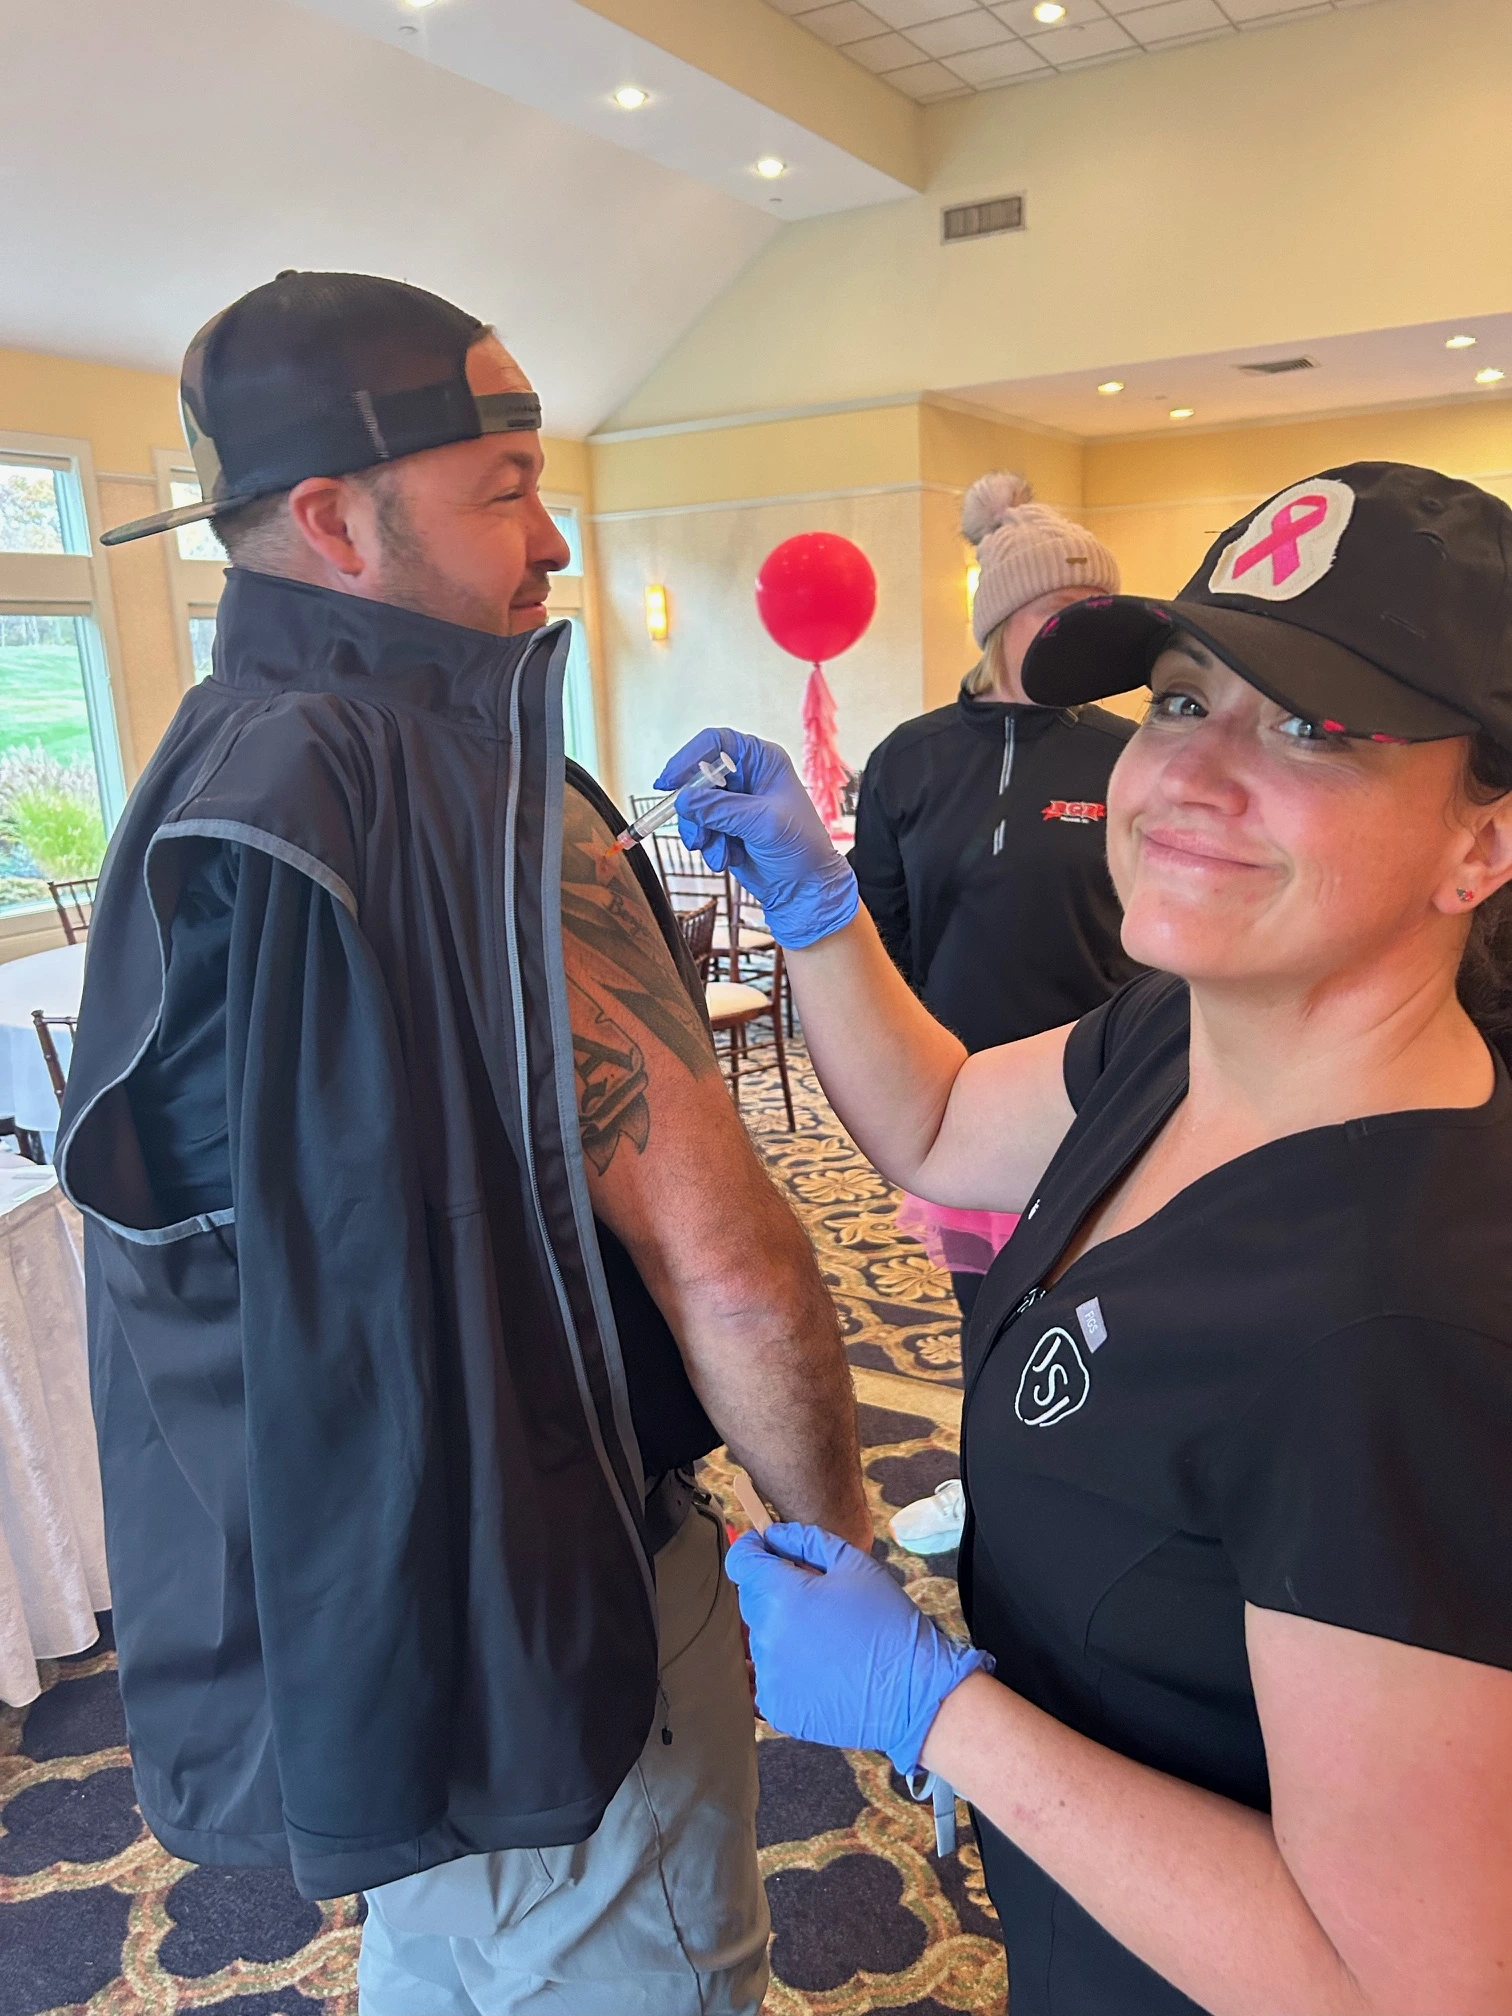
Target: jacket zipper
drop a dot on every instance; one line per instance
(1005, 776)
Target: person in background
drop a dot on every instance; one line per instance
(979, 831)
(425, 1249)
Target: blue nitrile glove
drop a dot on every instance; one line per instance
(763, 827)
(842, 1657)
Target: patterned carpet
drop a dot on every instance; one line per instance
(96, 1918)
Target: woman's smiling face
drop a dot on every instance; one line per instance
(1246, 844)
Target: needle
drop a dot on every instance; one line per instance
(660, 810)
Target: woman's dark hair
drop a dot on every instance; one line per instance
(1485, 974)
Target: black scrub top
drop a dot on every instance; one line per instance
(1290, 1387)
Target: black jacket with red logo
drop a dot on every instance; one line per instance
(980, 850)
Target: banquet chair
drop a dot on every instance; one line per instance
(45, 1025)
(734, 1010)
(697, 928)
(738, 935)
(75, 904)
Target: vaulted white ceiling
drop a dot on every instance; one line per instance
(161, 157)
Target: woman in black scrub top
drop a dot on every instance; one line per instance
(1238, 1428)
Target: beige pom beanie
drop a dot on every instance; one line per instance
(1025, 550)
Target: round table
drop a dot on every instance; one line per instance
(52, 1533)
(53, 982)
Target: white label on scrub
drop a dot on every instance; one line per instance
(1089, 1315)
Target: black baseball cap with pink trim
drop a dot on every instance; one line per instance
(1374, 599)
(322, 374)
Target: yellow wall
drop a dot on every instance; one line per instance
(757, 458)
(1345, 172)
(1160, 502)
(123, 414)
(697, 510)
(957, 445)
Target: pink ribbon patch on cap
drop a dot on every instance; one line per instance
(1287, 530)
(1289, 544)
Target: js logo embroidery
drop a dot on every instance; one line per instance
(1054, 1383)
(1079, 811)
(1289, 545)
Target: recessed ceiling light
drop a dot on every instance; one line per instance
(1490, 376)
(1460, 343)
(769, 167)
(1182, 412)
(1109, 386)
(1048, 12)
(421, 3)
(630, 97)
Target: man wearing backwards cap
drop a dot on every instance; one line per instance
(405, 1306)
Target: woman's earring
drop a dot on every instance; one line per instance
(1465, 895)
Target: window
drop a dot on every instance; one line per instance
(31, 511)
(62, 781)
(196, 563)
(569, 601)
(196, 541)
(202, 645)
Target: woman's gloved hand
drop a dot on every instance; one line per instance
(763, 827)
(842, 1657)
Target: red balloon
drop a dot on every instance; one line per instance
(816, 594)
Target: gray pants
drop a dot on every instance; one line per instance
(661, 1912)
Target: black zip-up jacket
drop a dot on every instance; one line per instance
(374, 1496)
(980, 851)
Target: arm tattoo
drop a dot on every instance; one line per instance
(622, 979)
(611, 1072)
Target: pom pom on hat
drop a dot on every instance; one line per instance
(990, 500)
(1026, 550)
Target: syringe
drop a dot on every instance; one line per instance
(663, 809)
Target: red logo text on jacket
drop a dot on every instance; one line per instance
(1078, 811)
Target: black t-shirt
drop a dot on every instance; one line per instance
(1291, 1387)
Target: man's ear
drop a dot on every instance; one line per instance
(334, 518)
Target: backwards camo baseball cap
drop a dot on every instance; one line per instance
(1375, 600)
(318, 374)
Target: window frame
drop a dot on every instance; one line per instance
(574, 595)
(194, 586)
(73, 584)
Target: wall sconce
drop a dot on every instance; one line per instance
(658, 616)
(973, 582)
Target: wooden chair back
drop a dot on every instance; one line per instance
(697, 928)
(74, 901)
(44, 1026)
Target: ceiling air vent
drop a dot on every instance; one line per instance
(1277, 367)
(981, 220)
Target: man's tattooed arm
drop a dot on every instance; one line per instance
(720, 1252)
(624, 987)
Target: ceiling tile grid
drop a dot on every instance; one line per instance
(933, 49)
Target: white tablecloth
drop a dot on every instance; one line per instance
(52, 1530)
(53, 982)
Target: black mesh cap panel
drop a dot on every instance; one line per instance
(319, 374)
(309, 376)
